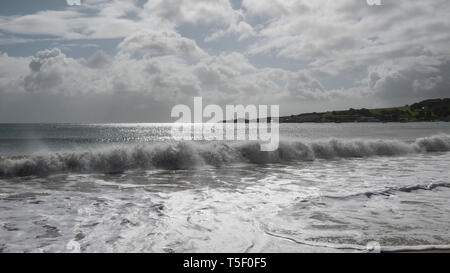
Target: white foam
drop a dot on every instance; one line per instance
(186, 155)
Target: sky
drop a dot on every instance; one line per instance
(133, 60)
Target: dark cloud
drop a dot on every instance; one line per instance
(417, 81)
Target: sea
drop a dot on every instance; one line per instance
(335, 187)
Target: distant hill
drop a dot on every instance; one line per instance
(427, 110)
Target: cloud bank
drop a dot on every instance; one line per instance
(303, 55)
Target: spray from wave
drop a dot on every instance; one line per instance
(186, 155)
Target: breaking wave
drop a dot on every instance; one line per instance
(186, 155)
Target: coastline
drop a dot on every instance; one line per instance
(433, 110)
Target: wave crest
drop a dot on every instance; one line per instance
(186, 155)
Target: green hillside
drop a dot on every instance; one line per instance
(427, 110)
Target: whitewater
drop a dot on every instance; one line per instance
(132, 188)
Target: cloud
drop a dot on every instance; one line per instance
(151, 43)
(117, 19)
(44, 57)
(273, 8)
(304, 86)
(12, 71)
(98, 19)
(303, 55)
(92, 20)
(73, 2)
(191, 11)
(239, 28)
(335, 36)
(220, 16)
(168, 79)
(63, 24)
(99, 60)
(417, 78)
(165, 77)
(51, 71)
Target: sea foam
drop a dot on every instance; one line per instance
(189, 154)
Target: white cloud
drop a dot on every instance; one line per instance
(165, 78)
(103, 19)
(150, 43)
(12, 71)
(225, 78)
(191, 11)
(304, 86)
(63, 24)
(336, 35)
(239, 28)
(273, 8)
(92, 20)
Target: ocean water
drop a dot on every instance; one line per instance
(348, 187)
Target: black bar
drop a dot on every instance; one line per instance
(226, 262)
